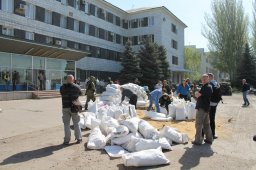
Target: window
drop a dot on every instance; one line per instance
(40, 38)
(92, 9)
(72, 3)
(125, 39)
(70, 23)
(151, 21)
(92, 30)
(100, 13)
(175, 60)
(125, 24)
(110, 17)
(101, 33)
(174, 29)
(110, 36)
(81, 27)
(82, 6)
(144, 22)
(135, 40)
(118, 21)
(0, 4)
(20, 34)
(29, 36)
(48, 17)
(134, 23)
(118, 39)
(174, 44)
(55, 19)
(19, 7)
(40, 14)
(58, 0)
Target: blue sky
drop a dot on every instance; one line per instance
(191, 12)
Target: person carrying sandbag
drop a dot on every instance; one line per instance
(154, 97)
(129, 94)
(165, 100)
(90, 90)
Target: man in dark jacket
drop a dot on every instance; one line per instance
(69, 93)
(129, 94)
(202, 114)
(245, 90)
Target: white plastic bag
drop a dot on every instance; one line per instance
(92, 107)
(120, 131)
(95, 122)
(161, 119)
(144, 144)
(82, 122)
(130, 145)
(163, 110)
(191, 111)
(147, 130)
(124, 139)
(96, 139)
(115, 151)
(152, 114)
(151, 157)
(181, 113)
(173, 135)
(172, 111)
(132, 124)
(108, 124)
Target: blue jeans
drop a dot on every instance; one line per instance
(246, 101)
(155, 101)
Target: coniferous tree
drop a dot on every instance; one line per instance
(164, 72)
(149, 64)
(246, 69)
(130, 63)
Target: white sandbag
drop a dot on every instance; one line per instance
(144, 144)
(163, 110)
(96, 139)
(181, 113)
(147, 130)
(118, 113)
(115, 86)
(132, 124)
(124, 139)
(151, 157)
(95, 123)
(102, 112)
(151, 114)
(130, 145)
(120, 131)
(191, 111)
(111, 90)
(173, 134)
(172, 111)
(92, 107)
(82, 122)
(161, 119)
(132, 111)
(142, 103)
(115, 151)
(108, 124)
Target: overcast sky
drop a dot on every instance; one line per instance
(191, 12)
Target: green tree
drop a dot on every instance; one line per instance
(192, 63)
(247, 67)
(149, 64)
(130, 63)
(164, 72)
(226, 31)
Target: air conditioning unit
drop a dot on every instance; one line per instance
(57, 42)
(22, 6)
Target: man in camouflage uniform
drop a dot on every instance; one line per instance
(90, 90)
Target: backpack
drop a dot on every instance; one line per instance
(216, 94)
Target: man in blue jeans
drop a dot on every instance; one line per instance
(154, 97)
(245, 90)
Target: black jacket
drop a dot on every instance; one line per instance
(126, 93)
(69, 93)
(168, 89)
(203, 102)
(245, 87)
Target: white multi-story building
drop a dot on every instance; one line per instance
(49, 35)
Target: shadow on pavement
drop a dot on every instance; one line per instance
(192, 156)
(122, 167)
(29, 155)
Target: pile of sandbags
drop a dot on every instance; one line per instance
(117, 129)
(112, 95)
(182, 110)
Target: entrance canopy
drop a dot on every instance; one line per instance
(11, 45)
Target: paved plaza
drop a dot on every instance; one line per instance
(31, 134)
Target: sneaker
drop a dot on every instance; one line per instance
(208, 142)
(65, 143)
(248, 104)
(195, 143)
(78, 141)
(215, 137)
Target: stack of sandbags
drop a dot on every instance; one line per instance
(139, 91)
(173, 135)
(157, 116)
(112, 95)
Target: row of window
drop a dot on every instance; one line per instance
(39, 38)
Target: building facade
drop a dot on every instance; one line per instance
(83, 37)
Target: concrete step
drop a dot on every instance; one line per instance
(46, 94)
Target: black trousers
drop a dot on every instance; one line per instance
(133, 100)
(185, 97)
(212, 115)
